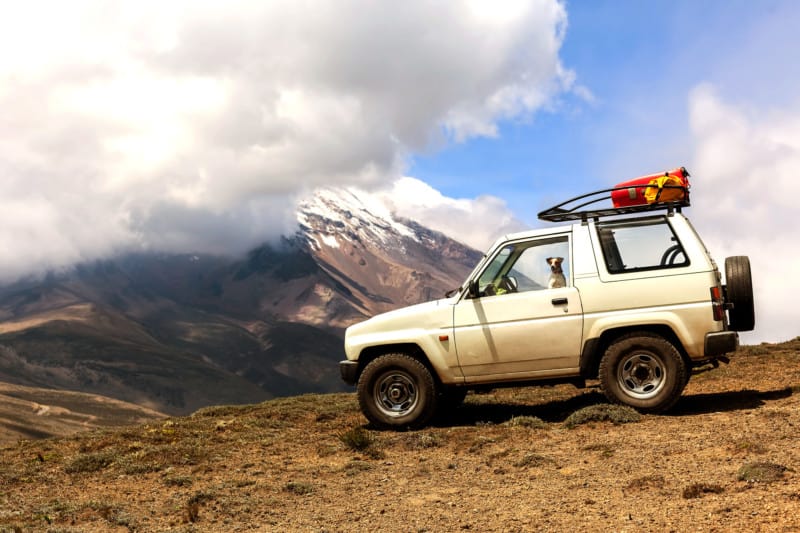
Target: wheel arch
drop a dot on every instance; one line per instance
(594, 348)
(410, 349)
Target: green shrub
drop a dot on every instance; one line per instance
(354, 467)
(90, 462)
(761, 472)
(532, 422)
(357, 439)
(618, 414)
(533, 460)
(298, 487)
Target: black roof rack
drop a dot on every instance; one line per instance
(565, 211)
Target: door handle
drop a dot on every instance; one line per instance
(559, 301)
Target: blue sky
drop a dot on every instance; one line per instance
(639, 60)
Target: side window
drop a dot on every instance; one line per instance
(639, 245)
(527, 266)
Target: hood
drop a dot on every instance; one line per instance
(435, 313)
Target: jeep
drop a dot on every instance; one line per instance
(628, 296)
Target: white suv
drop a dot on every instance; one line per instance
(635, 301)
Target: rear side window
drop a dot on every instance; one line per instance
(637, 245)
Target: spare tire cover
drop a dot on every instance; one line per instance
(739, 293)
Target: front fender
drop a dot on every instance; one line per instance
(436, 344)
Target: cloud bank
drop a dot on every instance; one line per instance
(477, 222)
(192, 126)
(745, 200)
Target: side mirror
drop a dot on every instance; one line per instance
(472, 289)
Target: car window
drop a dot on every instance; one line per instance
(645, 244)
(527, 266)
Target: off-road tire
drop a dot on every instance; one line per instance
(396, 391)
(739, 293)
(643, 370)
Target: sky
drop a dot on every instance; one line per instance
(197, 126)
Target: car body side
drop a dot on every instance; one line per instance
(593, 309)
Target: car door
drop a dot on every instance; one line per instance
(513, 325)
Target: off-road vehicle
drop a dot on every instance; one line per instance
(640, 304)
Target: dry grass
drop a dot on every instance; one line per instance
(505, 461)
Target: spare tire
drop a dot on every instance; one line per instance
(739, 293)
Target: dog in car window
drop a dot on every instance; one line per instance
(557, 278)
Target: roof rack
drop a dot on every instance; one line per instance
(565, 211)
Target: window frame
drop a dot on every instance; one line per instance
(518, 247)
(611, 252)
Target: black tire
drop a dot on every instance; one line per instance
(739, 293)
(643, 370)
(396, 391)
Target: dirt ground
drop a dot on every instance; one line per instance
(725, 459)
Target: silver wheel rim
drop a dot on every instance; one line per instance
(641, 375)
(396, 394)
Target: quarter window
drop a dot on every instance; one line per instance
(632, 246)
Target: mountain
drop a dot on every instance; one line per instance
(175, 332)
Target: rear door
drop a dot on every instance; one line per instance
(517, 326)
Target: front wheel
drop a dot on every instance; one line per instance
(397, 391)
(643, 370)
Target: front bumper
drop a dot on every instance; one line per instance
(720, 343)
(349, 371)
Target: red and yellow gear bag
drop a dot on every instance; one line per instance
(651, 189)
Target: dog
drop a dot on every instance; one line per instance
(557, 278)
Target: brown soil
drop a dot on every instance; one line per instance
(725, 459)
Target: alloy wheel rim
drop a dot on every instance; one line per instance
(396, 394)
(641, 375)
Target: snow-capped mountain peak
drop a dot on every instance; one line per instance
(384, 261)
(330, 214)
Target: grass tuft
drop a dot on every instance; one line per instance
(653, 481)
(533, 460)
(354, 467)
(698, 490)
(532, 422)
(357, 439)
(761, 472)
(298, 487)
(618, 414)
(90, 462)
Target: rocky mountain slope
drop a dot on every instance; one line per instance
(34, 413)
(178, 332)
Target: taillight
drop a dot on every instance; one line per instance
(717, 303)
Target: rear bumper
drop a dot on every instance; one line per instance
(720, 343)
(349, 371)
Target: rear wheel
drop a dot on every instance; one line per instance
(739, 293)
(397, 391)
(643, 370)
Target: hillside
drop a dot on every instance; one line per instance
(725, 459)
(33, 413)
(176, 332)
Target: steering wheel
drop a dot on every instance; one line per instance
(508, 283)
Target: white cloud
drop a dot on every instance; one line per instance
(176, 125)
(745, 199)
(477, 222)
